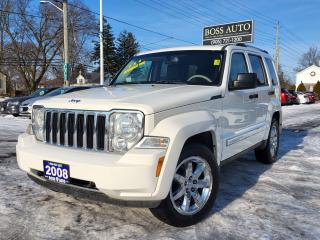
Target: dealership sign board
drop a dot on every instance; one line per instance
(238, 32)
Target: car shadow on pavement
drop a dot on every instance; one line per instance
(240, 175)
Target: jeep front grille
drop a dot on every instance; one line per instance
(78, 129)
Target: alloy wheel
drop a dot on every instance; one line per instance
(192, 185)
(273, 140)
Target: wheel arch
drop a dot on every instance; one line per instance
(276, 115)
(181, 129)
(207, 139)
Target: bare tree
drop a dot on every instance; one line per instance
(34, 42)
(36, 39)
(312, 57)
(3, 22)
(82, 27)
(6, 67)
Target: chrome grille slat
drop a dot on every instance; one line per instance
(84, 136)
(95, 135)
(106, 134)
(58, 129)
(66, 139)
(51, 118)
(45, 127)
(83, 132)
(75, 131)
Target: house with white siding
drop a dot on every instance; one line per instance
(309, 76)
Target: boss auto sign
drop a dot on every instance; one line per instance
(238, 32)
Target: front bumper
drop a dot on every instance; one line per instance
(90, 194)
(128, 177)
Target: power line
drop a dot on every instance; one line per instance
(167, 13)
(196, 11)
(156, 42)
(111, 18)
(136, 26)
(258, 15)
(197, 5)
(181, 11)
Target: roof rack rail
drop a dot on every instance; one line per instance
(244, 45)
(241, 44)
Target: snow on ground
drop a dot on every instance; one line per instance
(255, 201)
(2, 98)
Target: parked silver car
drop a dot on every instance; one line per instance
(26, 106)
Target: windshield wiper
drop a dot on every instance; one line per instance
(167, 82)
(147, 82)
(127, 83)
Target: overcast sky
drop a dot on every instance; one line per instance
(184, 19)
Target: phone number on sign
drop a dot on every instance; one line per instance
(226, 40)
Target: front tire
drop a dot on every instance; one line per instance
(268, 154)
(193, 190)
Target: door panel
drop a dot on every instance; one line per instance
(258, 66)
(239, 112)
(239, 115)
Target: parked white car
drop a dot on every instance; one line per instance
(157, 135)
(302, 97)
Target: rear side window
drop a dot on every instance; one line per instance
(258, 68)
(272, 71)
(238, 65)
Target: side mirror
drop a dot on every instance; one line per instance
(245, 81)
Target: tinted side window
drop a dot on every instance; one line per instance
(238, 65)
(272, 71)
(258, 68)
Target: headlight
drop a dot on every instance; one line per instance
(38, 122)
(126, 130)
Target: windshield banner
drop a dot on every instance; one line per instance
(238, 32)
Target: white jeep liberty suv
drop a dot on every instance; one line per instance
(156, 136)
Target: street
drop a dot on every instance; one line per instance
(255, 201)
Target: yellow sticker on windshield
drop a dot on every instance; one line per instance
(216, 62)
(134, 65)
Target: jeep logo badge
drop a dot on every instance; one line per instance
(74, 100)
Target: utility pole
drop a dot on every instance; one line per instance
(1, 37)
(2, 27)
(64, 10)
(277, 46)
(66, 43)
(101, 47)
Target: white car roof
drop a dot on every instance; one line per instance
(212, 48)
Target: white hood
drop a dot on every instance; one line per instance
(146, 98)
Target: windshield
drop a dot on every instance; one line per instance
(179, 67)
(57, 92)
(40, 92)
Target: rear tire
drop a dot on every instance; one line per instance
(194, 189)
(268, 154)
